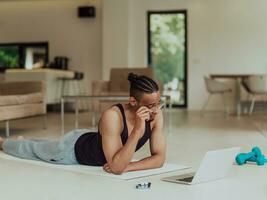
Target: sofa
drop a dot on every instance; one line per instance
(21, 99)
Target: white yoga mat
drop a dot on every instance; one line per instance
(98, 170)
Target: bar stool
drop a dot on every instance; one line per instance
(74, 83)
(74, 86)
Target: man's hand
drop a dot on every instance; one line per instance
(141, 115)
(106, 168)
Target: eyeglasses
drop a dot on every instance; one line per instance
(157, 107)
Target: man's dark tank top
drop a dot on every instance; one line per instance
(88, 147)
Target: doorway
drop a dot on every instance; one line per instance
(167, 52)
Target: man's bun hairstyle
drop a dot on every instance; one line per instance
(140, 84)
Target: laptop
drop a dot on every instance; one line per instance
(214, 165)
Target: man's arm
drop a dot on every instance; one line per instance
(157, 148)
(118, 156)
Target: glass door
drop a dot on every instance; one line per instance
(167, 52)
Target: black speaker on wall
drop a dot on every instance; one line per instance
(86, 11)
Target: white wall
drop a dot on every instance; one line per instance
(57, 22)
(223, 37)
(115, 35)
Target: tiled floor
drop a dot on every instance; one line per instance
(190, 137)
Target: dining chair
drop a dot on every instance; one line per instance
(215, 87)
(256, 86)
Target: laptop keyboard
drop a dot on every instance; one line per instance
(186, 179)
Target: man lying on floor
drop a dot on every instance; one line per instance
(123, 129)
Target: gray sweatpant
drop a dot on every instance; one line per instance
(58, 152)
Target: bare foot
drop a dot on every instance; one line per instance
(20, 137)
(1, 142)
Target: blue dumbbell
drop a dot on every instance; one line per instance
(242, 158)
(255, 156)
(258, 153)
(260, 160)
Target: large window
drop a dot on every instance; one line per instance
(23, 55)
(9, 56)
(167, 52)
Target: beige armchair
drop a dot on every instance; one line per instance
(20, 100)
(118, 84)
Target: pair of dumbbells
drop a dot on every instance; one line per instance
(254, 156)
